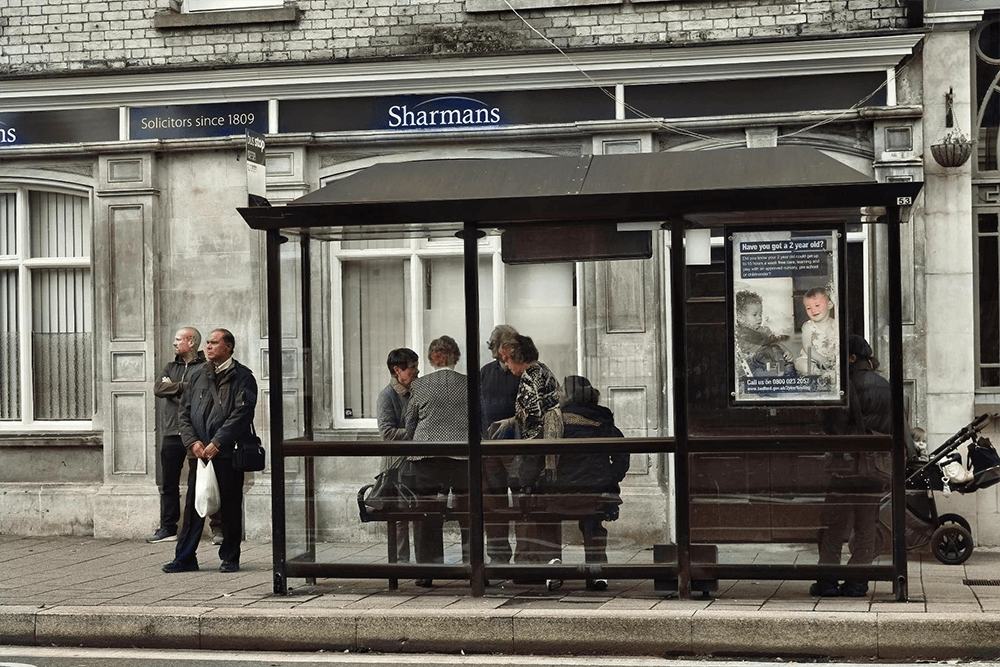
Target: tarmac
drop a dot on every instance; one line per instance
(110, 593)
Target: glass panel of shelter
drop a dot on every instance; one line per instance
(589, 320)
(603, 321)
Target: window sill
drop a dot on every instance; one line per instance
(501, 6)
(52, 439)
(170, 20)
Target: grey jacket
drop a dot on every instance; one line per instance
(177, 373)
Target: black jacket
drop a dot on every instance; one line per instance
(218, 407)
(874, 397)
(177, 373)
(589, 473)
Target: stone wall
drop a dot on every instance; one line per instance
(61, 36)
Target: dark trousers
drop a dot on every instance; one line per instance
(495, 499)
(595, 540)
(430, 479)
(851, 504)
(172, 458)
(231, 513)
(537, 542)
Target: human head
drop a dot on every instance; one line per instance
(519, 350)
(403, 365)
(749, 309)
(219, 346)
(499, 333)
(818, 305)
(579, 390)
(859, 350)
(858, 347)
(443, 352)
(187, 340)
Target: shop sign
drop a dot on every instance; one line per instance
(458, 111)
(948, 6)
(787, 317)
(195, 121)
(23, 128)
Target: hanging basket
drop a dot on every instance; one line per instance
(952, 152)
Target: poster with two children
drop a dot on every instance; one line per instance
(785, 321)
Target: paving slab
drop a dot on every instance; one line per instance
(119, 627)
(436, 631)
(603, 632)
(268, 630)
(727, 632)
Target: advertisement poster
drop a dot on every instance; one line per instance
(786, 319)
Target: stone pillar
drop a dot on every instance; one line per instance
(949, 252)
(127, 504)
(949, 281)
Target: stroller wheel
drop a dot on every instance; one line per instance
(945, 519)
(951, 544)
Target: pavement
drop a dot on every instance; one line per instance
(83, 591)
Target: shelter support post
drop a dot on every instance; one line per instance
(273, 259)
(898, 419)
(678, 326)
(476, 549)
(305, 269)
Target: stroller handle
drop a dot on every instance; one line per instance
(967, 432)
(981, 421)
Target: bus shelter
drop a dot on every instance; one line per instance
(742, 453)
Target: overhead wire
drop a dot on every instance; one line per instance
(685, 131)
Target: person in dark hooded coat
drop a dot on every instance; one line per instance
(593, 479)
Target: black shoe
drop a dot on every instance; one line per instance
(162, 535)
(229, 566)
(216, 536)
(597, 585)
(424, 583)
(824, 589)
(854, 589)
(180, 566)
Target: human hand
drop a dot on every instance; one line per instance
(198, 449)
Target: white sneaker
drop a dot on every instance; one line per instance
(554, 584)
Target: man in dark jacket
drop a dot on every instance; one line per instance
(857, 480)
(169, 387)
(216, 412)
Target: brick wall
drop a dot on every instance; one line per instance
(63, 35)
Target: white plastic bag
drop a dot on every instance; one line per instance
(206, 490)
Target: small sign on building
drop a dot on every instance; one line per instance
(256, 170)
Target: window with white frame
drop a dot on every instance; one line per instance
(192, 6)
(406, 293)
(46, 307)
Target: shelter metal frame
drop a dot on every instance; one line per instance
(790, 185)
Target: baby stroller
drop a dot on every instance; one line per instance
(949, 535)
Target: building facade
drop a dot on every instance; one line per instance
(122, 163)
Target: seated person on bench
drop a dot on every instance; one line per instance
(438, 411)
(590, 480)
